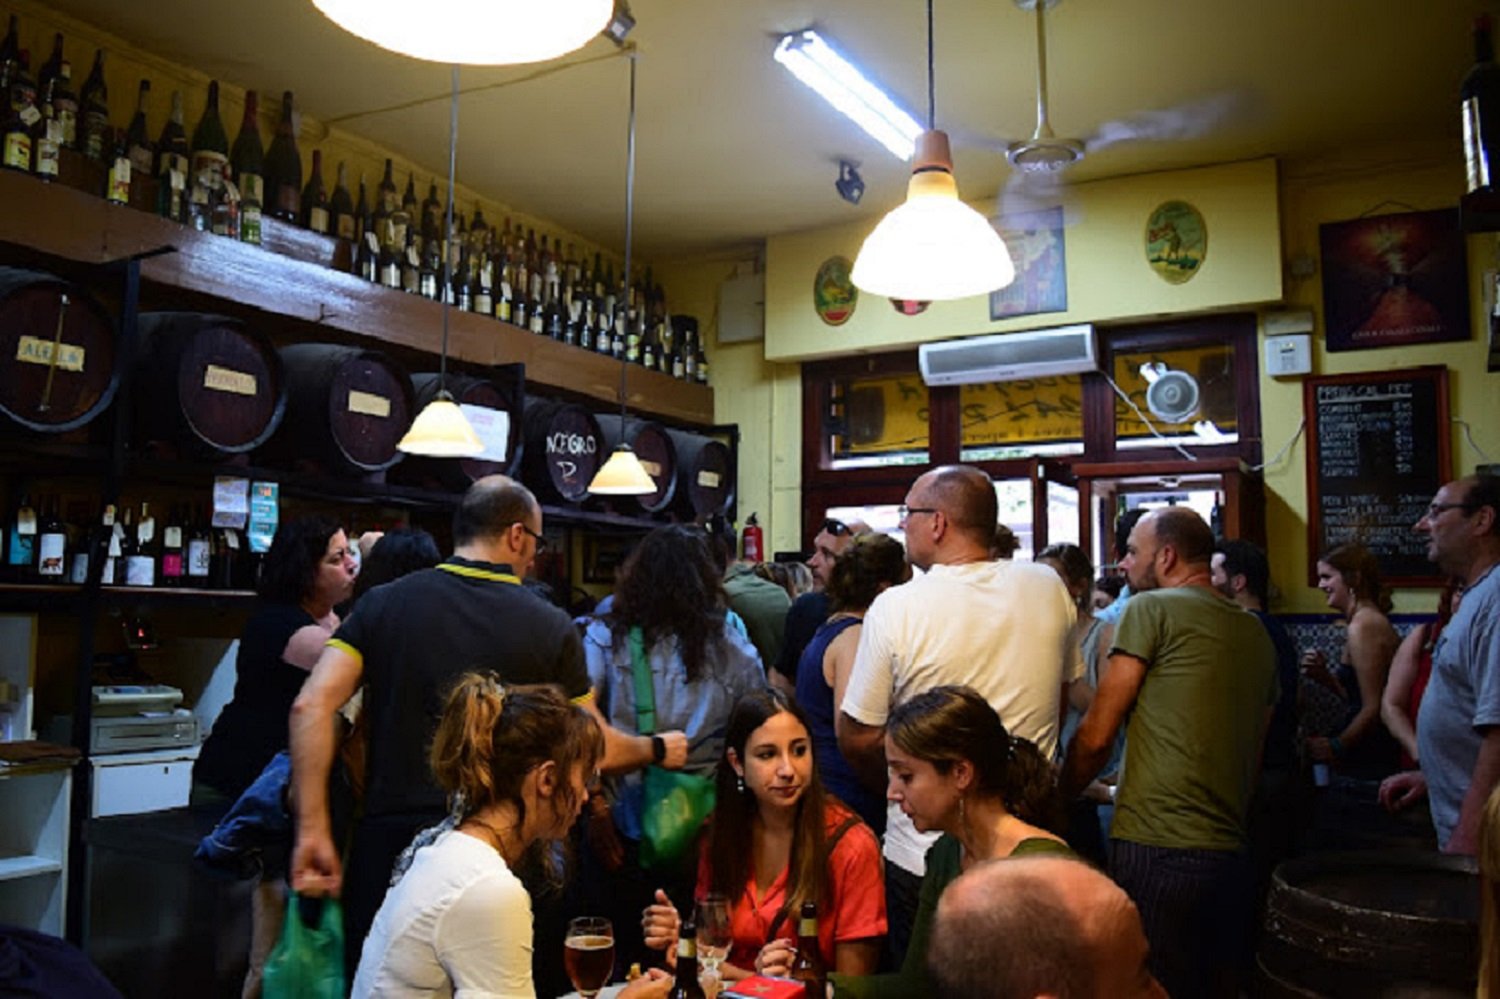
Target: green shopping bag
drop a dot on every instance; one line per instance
(308, 961)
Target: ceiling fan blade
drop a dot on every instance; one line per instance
(1028, 193)
(1185, 121)
(969, 139)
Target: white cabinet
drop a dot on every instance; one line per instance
(131, 783)
(34, 800)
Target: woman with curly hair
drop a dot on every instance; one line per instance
(668, 614)
(1360, 746)
(861, 572)
(954, 769)
(516, 763)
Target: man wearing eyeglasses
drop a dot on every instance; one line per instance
(810, 610)
(406, 643)
(1004, 628)
(1458, 726)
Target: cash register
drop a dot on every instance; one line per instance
(132, 717)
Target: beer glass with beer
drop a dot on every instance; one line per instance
(589, 954)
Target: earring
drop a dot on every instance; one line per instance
(739, 783)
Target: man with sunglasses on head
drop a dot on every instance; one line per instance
(810, 610)
(1004, 628)
(407, 642)
(1458, 726)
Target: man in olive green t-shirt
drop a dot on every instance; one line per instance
(1196, 673)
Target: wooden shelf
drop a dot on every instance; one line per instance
(12, 868)
(70, 224)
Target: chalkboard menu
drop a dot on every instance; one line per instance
(1377, 452)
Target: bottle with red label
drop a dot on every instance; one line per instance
(173, 561)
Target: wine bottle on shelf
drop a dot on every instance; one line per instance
(679, 365)
(1480, 96)
(210, 157)
(686, 985)
(80, 549)
(479, 231)
(46, 147)
(10, 48)
(432, 214)
(173, 564)
(314, 207)
(482, 271)
(389, 263)
(807, 966)
(65, 104)
(20, 546)
(21, 117)
(224, 562)
(689, 360)
(505, 295)
(247, 161)
(93, 103)
(702, 365)
(199, 552)
(114, 533)
(409, 203)
(117, 180)
(49, 70)
(51, 545)
(341, 206)
(429, 269)
(386, 198)
(411, 263)
(284, 166)
(367, 239)
(173, 164)
(139, 549)
(583, 309)
(140, 148)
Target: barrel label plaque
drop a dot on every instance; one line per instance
(709, 479)
(35, 350)
(369, 404)
(228, 380)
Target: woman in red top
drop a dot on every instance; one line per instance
(1409, 672)
(775, 841)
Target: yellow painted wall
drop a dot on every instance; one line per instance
(1108, 276)
(125, 64)
(1337, 189)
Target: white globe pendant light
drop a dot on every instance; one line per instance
(475, 32)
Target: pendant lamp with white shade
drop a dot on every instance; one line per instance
(623, 474)
(475, 32)
(933, 247)
(441, 429)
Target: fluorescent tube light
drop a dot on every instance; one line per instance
(841, 84)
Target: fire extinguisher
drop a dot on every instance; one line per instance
(753, 541)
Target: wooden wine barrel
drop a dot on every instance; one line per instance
(564, 448)
(502, 399)
(57, 352)
(209, 381)
(653, 445)
(1372, 924)
(346, 408)
(705, 474)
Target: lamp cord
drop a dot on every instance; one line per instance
(629, 227)
(446, 291)
(931, 101)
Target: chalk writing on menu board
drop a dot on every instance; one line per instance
(1378, 454)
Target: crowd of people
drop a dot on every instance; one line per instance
(986, 778)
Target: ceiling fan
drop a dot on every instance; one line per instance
(1038, 162)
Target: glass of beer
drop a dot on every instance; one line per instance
(589, 954)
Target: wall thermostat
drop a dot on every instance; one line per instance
(1289, 355)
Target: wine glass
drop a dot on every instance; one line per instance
(713, 932)
(589, 954)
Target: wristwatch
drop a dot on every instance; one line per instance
(658, 749)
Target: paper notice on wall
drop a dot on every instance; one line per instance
(231, 502)
(493, 429)
(263, 515)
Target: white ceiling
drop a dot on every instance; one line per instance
(732, 149)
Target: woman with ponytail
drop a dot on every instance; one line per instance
(516, 763)
(956, 770)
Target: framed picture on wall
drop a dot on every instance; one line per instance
(1391, 280)
(1035, 241)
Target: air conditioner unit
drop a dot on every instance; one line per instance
(1007, 357)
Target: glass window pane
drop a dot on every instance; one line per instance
(1193, 403)
(1062, 514)
(1022, 418)
(879, 420)
(1014, 498)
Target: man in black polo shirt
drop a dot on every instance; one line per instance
(407, 642)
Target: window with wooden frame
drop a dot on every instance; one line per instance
(870, 425)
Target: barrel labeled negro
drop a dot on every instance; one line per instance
(206, 383)
(705, 474)
(346, 410)
(653, 446)
(564, 448)
(57, 352)
(494, 406)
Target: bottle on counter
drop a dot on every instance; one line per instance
(686, 985)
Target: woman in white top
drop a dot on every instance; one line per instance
(517, 762)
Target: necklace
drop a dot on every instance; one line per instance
(491, 834)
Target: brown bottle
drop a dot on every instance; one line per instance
(808, 965)
(686, 986)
